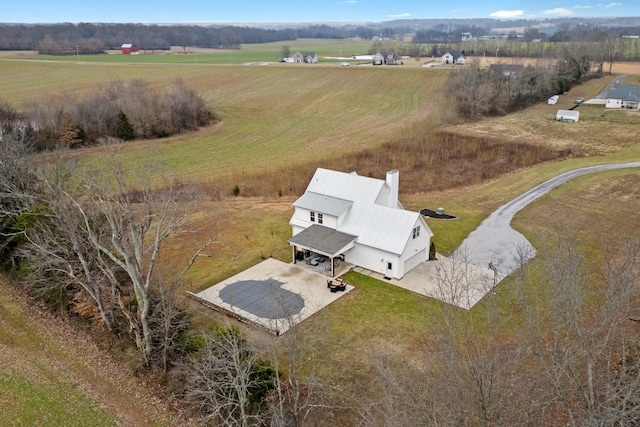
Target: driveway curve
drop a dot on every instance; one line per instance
(495, 242)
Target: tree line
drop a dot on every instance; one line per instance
(88, 38)
(120, 111)
(502, 88)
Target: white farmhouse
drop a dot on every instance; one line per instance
(454, 57)
(358, 220)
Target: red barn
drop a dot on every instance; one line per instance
(128, 49)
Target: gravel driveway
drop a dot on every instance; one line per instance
(495, 242)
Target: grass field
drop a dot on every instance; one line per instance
(248, 53)
(271, 116)
(277, 119)
(54, 375)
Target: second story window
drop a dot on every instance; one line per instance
(312, 216)
(319, 218)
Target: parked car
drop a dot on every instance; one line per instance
(579, 100)
(344, 64)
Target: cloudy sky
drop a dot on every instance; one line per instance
(195, 11)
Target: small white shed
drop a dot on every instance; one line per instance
(568, 116)
(553, 100)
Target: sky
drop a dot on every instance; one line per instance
(260, 11)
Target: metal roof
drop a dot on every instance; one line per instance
(322, 203)
(346, 186)
(324, 240)
(375, 224)
(625, 92)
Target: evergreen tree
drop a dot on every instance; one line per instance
(124, 130)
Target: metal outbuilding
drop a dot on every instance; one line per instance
(568, 116)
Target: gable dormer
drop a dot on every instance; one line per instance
(314, 208)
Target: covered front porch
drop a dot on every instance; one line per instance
(322, 248)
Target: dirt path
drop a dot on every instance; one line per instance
(36, 342)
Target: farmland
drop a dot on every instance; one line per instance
(279, 122)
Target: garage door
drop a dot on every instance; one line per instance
(414, 260)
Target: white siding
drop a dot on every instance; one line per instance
(303, 216)
(415, 260)
(416, 246)
(373, 259)
(613, 103)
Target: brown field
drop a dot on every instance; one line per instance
(269, 144)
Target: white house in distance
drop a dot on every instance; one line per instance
(358, 220)
(454, 57)
(305, 57)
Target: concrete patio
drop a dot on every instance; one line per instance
(275, 295)
(272, 295)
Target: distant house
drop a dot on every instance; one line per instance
(392, 59)
(305, 57)
(623, 96)
(129, 49)
(568, 116)
(454, 57)
(358, 220)
(507, 70)
(378, 59)
(466, 36)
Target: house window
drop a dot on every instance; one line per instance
(416, 232)
(312, 216)
(319, 218)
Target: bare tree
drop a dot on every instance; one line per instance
(105, 232)
(60, 252)
(227, 382)
(575, 333)
(398, 394)
(456, 281)
(299, 393)
(611, 49)
(169, 322)
(474, 92)
(18, 184)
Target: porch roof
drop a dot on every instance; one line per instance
(323, 240)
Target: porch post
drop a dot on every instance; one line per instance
(333, 273)
(294, 253)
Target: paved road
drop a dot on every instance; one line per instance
(494, 241)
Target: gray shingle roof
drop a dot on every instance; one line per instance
(625, 92)
(322, 239)
(323, 203)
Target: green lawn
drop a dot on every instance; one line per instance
(51, 401)
(33, 388)
(272, 116)
(247, 53)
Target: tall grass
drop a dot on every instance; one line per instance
(430, 161)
